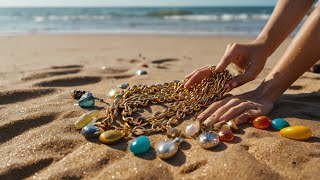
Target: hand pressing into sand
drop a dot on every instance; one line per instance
(250, 58)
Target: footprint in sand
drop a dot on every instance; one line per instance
(54, 71)
(163, 63)
(69, 81)
(14, 96)
(193, 166)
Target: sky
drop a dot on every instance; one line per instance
(35, 3)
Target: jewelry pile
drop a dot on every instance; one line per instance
(122, 118)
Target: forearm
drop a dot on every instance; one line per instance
(298, 58)
(285, 17)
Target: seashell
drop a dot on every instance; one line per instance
(91, 131)
(173, 132)
(86, 100)
(208, 140)
(167, 149)
(192, 129)
(141, 72)
(86, 119)
(296, 132)
(226, 135)
(111, 136)
(262, 122)
(140, 145)
(123, 86)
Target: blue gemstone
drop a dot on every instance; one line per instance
(90, 131)
(140, 145)
(279, 123)
(86, 100)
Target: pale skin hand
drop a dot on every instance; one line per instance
(302, 53)
(251, 57)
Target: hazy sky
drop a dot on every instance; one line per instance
(6, 3)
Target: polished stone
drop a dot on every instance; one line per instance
(296, 132)
(86, 119)
(167, 149)
(111, 136)
(279, 123)
(262, 122)
(141, 72)
(208, 140)
(91, 131)
(140, 145)
(86, 100)
(123, 86)
(226, 135)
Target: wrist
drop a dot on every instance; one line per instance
(263, 43)
(266, 90)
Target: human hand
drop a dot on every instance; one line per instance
(241, 108)
(250, 58)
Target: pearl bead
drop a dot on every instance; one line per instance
(192, 130)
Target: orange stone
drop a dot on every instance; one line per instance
(262, 122)
(226, 135)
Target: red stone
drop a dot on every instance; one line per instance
(262, 122)
(226, 135)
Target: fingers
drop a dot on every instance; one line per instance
(239, 80)
(197, 77)
(247, 116)
(192, 73)
(211, 109)
(236, 110)
(227, 58)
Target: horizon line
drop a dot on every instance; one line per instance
(200, 6)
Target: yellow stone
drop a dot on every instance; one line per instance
(111, 136)
(296, 132)
(86, 119)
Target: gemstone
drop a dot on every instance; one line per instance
(167, 149)
(279, 123)
(226, 135)
(233, 126)
(91, 131)
(262, 122)
(86, 100)
(141, 72)
(208, 140)
(173, 132)
(114, 94)
(123, 86)
(86, 119)
(140, 145)
(296, 132)
(192, 129)
(111, 136)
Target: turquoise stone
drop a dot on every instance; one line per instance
(86, 100)
(91, 131)
(279, 123)
(140, 145)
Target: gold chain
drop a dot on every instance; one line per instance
(180, 102)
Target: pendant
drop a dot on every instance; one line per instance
(140, 145)
(111, 136)
(86, 119)
(173, 132)
(208, 140)
(167, 149)
(86, 100)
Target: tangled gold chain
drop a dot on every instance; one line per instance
(180, 102)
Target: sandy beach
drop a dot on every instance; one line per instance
(37, 135)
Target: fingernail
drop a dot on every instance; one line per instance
(227, 87)
(234, 84)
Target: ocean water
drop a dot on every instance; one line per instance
(238, 21)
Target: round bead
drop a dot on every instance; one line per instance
(192, 130)
(262, 122)
(91, 131)
(111, 136)
(208, 140)
(140, 145)
(279, 123)
(296, 132)
(226, 135)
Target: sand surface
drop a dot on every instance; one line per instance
(37, 134)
